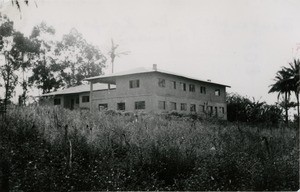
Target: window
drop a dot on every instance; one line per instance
(203, 90)
(57, 101)
(173, 106)
(162, 105)
(202, 109)
(121, 106)
(222, 110)
(174, 84)
(139, 105)
(183, 107)
(193, 108)
(192, 87)
(183, 86)
(216, 111)
(161, 83)
(102, 106)
(134, 83)
(209, 110)
(217, 92)
(85, 99)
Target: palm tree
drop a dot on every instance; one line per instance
(282, 86)
(293, 79)
(113, 54)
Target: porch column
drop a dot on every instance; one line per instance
(91, 94)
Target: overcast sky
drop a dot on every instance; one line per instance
(241, 43)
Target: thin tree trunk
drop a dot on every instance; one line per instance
(6, 84)
(286, 109)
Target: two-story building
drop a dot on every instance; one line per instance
(150, 90)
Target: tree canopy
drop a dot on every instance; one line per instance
(287, 82)
(49, 64)
(16, 50)
(80, 58)
(243, 109)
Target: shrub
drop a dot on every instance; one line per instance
(54, 149)
(242, 109)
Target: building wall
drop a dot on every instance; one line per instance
(169, 91)
(50, 100)
(146, 85)
(150, 92)
(129, 102)
(123, 93)
(198, 104)
(178, 96)
(84, 105)
(71, 101)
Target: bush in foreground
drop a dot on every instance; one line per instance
(54, 149)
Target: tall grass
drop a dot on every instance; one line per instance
(54, 149)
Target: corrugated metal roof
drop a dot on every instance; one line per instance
(80, 89)
(147, 70)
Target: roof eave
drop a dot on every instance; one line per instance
(98, 78)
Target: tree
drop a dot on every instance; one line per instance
(46, 71)
(237, 107)
(287, 81)
(18, 3)
(9, 51)
(26, 51)
(81, 59)
(283, 87)
(17, 51)
(113, 54)
(243, 109)
(293, 79)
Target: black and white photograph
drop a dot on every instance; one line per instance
(149, 95)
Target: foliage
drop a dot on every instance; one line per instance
(113, 54)
(54, 149)
(287, 81)
(26, 49)
(293, 72)
(63, 63)
(81, 59)
(46, 71)
(16, 51)
(51, 63)
(17, 3)
(242, 109)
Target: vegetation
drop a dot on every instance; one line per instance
(113, 54)
(242, 109)
(49, 63)
(54, 149)
(17, 51)
(287, 81)
(81, 58)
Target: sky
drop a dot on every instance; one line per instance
(241, 43)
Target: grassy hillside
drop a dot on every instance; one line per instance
(53, 149)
